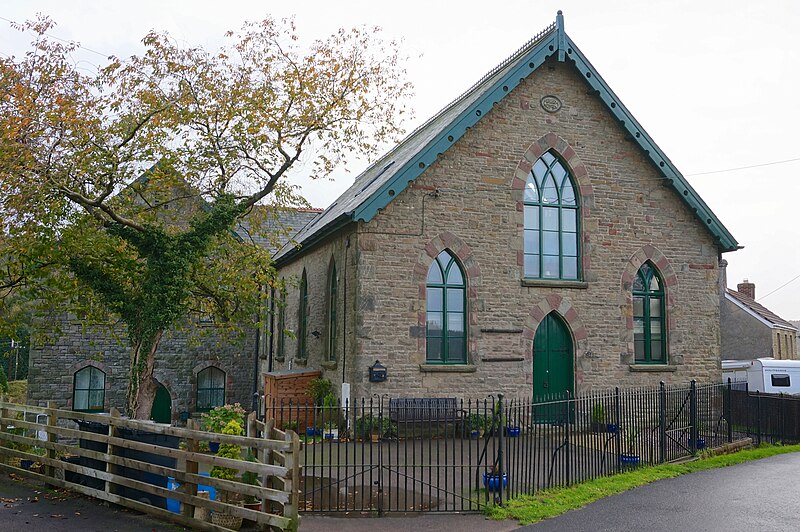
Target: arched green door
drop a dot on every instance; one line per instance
(162, 406)
(553, 373)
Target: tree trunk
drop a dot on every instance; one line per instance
(142, 386)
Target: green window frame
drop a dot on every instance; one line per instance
(210, 389)
(89, 390)
(281, 348)
(446, 312)
(333, 301)
(649, 317)
(551, 222)
(302, 318)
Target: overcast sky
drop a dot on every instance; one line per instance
(715, 83)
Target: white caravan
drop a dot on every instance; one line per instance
(764, 375)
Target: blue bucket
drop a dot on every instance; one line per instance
(174, 505)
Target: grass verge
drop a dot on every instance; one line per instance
(529, 509)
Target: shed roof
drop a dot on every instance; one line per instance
(379, 184)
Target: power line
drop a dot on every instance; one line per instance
(793, 279)
(745, 167)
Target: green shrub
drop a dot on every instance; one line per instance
(369, 424)
(319, 389)
(217, 419)
(228, 450)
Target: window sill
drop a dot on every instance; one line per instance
(652, 368)
(328, 364)
(447, 368)
(555, 283)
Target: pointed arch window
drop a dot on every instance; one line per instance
(89, 390)
(280, 354)
(446, 312)
(551, 222)
(333, 300)
(302, 318)
(210, 389)
(649, 317)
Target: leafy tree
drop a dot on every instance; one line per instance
(120, 189)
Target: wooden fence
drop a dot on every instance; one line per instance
(107, 463)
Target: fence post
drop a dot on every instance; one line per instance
(52, 420)
(662, 422)
(3, 425)
(693, 416)
(758, 417)
(112, 433)
(567, 461)
(617, 420)
(727, 410)
(190, 467)
(292, 483)
(501, 439)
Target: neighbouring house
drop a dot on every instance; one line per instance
(530, 238)
(86, 368)
(750, 330)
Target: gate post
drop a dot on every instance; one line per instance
(693, 416)
(727, 411)
(501, 430)
(662, 422)
(617, 417)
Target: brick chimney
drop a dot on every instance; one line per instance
(747, 288)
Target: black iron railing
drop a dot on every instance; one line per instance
(384, 454)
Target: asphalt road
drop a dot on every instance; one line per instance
(763, 496)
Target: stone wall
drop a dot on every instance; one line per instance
(56, 356)
(743, 336)
(343, 250)
(469, 202)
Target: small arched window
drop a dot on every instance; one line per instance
(89, 390)
(210, 388)
(551, 217)
(302, 318)
(649, 319)
(333, 301)
(446, 312)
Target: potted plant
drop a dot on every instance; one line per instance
(218, 418)
(228, 450)
(630, 458)
(492, 479)
(700, 444)
(599, 418)
(476, 425)
(250, 478)
(330, 430)
(513, 431)
(374, 427)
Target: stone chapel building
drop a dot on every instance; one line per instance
(531, 238)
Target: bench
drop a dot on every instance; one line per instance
(425, 410)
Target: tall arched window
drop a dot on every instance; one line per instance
(302, 318)
(649, 317)
(210, 388)
(446, 312)
(281, 349)
(89, 390)
(333, 301)
(551, 217)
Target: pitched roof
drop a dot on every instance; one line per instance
(282, 225)
(760, 311)
(375, 188)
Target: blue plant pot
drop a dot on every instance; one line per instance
(701, 443)
(213, 446)
(311, 431)
(613, 428)
(629, 459)
(26, 464)
(492, 481)
(512, 431)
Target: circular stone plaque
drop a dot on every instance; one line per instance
(550, 103)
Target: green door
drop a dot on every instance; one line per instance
(162, 406)
(553, 374)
